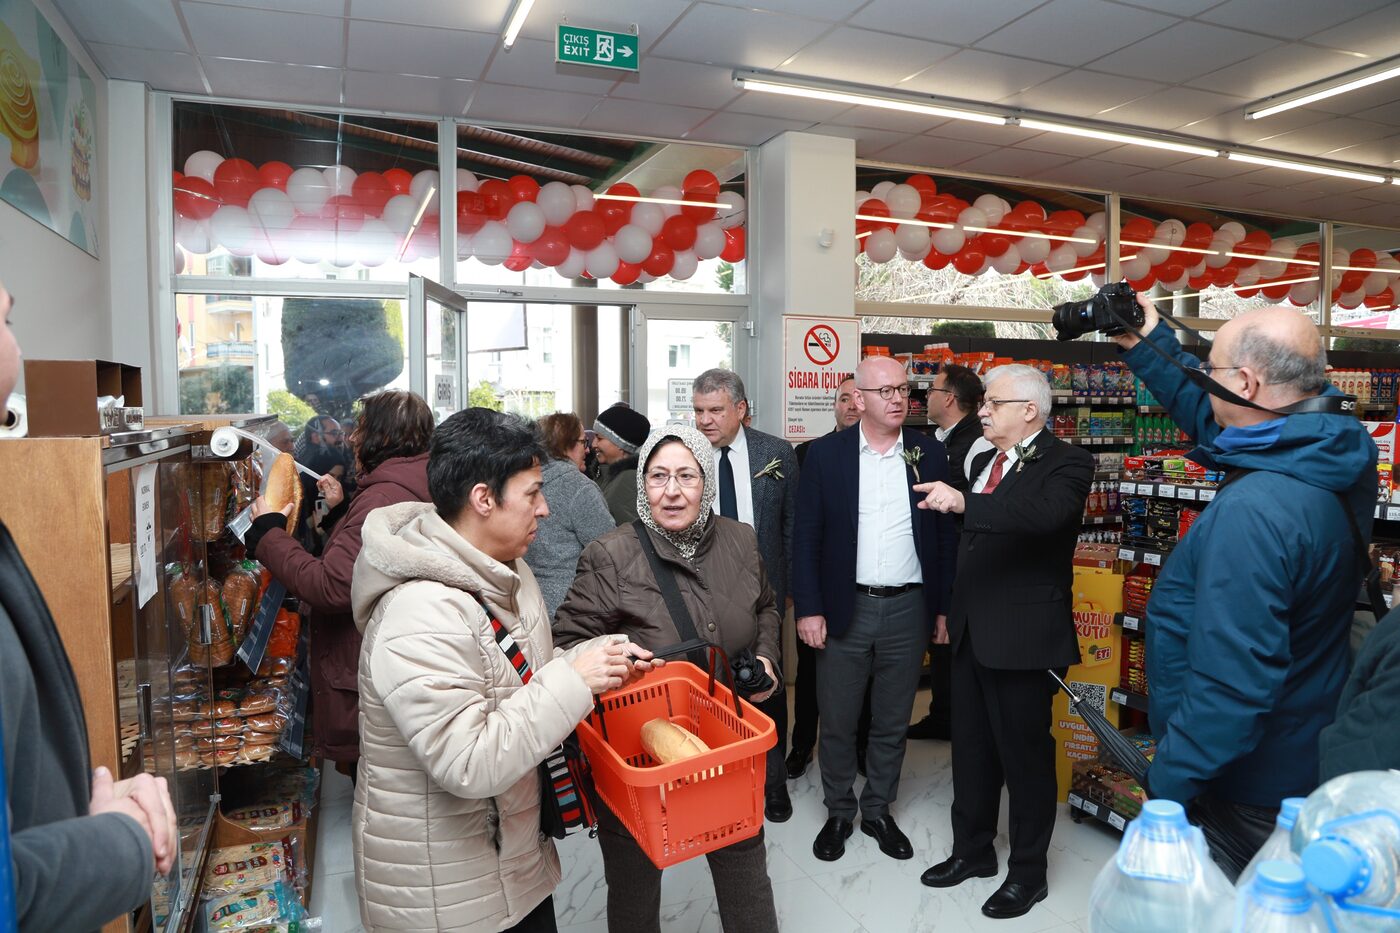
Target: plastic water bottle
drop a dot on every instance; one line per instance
(1162, 880)
(1277, 900)
(1356, 860)
(1279, 844)
(1345, 795)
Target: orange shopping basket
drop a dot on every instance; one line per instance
(687, 808)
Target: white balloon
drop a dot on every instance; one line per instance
(646, 278)
(1061, 258)
(601, 262)
(375, 242)
(583, 198)
(466, 181)
(1097, 222)
(1303, 293)
(1098, 278)
(1231, 232)
(464, 247)
(272, 208)
(309, 191)
(1198, 269)
(1219, 247)
(1248, 277)
(862, 197)
(1350, 300)
(1387, 262)
(903, 201)
(913, 238)
(341, 179)
(881, 190)
(668, 193)
(949, 240)
(685, 265)
(649, 217)
(1134, 268)
(1176, 286)
(492, 243)
(1172, 232)
(425, 185)
(1156, 252)
(399, 212)
(179, 260)
(1034, 249)
(1340, 257)
(233, 229)
(709, 240)
(880, 246)
(193, 235)
(344, 251)
(556, 199)
(572, 267)
(972, 217)
(732, 210)
(633, 242)
(1270, 268)
(202, 164)
(525, 221)
(993, 207)
(916, 256)
(1374, 283)
(305, 245)
(1008, 262)
(1086, 232)
(986, 264)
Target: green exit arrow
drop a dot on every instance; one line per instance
(596, 48)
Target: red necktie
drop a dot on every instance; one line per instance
(998, 465)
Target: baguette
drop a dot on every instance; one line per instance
(667, 742)
(284, 488)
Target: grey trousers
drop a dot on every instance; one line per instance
(884, 645)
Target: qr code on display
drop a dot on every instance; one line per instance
(1095, 695)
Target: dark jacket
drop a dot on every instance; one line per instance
(1247, 634)
(774, 507)
(824, 540)
(1364, 736)
(73, 871)
(323, 586)
(1015, 588)
(724, 586)
(618, 481)
(959, 441)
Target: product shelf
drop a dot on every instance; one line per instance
(1180, 491)
(1098, 811)
(1140, 555)
(1132, 624)
(1103, 520)
(1128, 698)
(1096, 439)
(1078, 398)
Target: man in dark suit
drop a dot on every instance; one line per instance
(1011, 619)
(953, 400)
(757, 486)
(872, 576)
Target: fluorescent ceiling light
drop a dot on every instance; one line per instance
(517, 22)
(1112, 137)
(1303, 96)
(768, 85)
(1306, 167)
(641, 200)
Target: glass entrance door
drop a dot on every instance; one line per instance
(440, 377)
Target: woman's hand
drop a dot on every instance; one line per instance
(768, 667)
(331, 490)
(606, 667)
(262, 507)
(640, 661)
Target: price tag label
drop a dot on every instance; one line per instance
(1187, 493)
(1128, 488)
(1091, 808)
(1207, 495)
(1116, 821)
(1075, 800)
(1145, 489)
(1392, 513)
(241, 523)
(1125, 553)
(1166, 491)
(1095, 441)
(1132, 624)
(1119, 697)
(1152, 558)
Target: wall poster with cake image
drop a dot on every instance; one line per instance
(48, 140)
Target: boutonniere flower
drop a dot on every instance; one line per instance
(773, 469)
(912, 457)
(1025, 455)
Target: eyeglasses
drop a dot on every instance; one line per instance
(581, 440)
(685, 479)
(1208, 369)
(937, 389)
(887, 392)
(992, 403)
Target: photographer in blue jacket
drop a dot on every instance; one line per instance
(1248, 623)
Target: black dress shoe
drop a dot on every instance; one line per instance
(955, 871)
(892, 841)
(1013, 900)
(927, 728)
(831, 841)
(797, 761)
(777, 806)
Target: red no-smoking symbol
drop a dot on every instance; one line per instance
(821, 344)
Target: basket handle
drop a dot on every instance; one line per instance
(715, 652)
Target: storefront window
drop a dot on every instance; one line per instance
(680, 351)
(553, 209)
(270, 193)
(1365, 278)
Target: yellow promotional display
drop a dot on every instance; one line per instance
(1098, 595)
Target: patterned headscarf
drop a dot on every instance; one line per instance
(686, 541)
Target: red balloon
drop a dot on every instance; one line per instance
(1309, 251)
(552, 247)
(275, 175)
(695, 212)
(1223, 276)
(660, 261)
(1144, 283)
(678, 232)
(195, 198)
(343, 214)
(523, 188)
(1363, 258)
(1031, 210)
(400, 181)
(1351, 281)
(1170, 271)
(926, 186)
(872, 207)
(734, 245)
(1384, 299)
(969, 260)
(994, 244)
(1276, 292)
(627, 273)
(935, 259)
(702, 182)
(499, 198)
(1138, 229)
(1247, 292)
(614, 214)
(1071, 219)
(586, 230)
(236, 181)
(1040, 270)
(472, 212)
(1074, 276)
(371, 192)
(178, 176)
(1198, 282)
(424, 242)
(519, 259)
(1022, 268)
(1198, 235)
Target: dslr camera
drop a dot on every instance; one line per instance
(1102, 312)
(750, 678)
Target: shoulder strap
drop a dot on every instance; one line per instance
(666, 580)
(508, 644)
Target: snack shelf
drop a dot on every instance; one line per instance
(1074, 398)
(1128, 698)
(1140, 555)
(1104, 475)
(1096, 440)
(1102, 520)
(1098, 811)
(1151, 410)
(1385, 511)
(1180, 491)
(1132, 624)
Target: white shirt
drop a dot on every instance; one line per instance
(1011, 459)
(743, 477)
(885, 553)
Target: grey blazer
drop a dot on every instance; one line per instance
(774, 508)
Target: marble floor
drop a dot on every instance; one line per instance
(864, 892)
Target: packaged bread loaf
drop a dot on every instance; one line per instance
(284, 488)
(667, 742)
(220, 649)
(240, 597)
(236, 869)
(184, 593)
(213, 500)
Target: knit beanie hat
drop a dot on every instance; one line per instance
(626, 428)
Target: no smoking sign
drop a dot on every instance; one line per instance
(821, 345)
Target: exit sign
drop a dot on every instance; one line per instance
(599, 48)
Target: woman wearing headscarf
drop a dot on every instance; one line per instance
(721, 579)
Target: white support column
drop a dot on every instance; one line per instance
(129, 240)
(804, 196)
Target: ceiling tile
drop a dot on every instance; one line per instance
(954, 21)
(530, 63)
(1083, 94)
(893, 120)
(1017, 163)
(1215, 167)
(981, 76)
(1329, 135)
(830, 10)
(738, 129)
(995, 135)
(1184, 52)
(788, 108)
(1329, 204)
(925, 151)
(1091, 173)
(1144, 156)
(651, 17)
(478, 15)
(1172, 108)
(642, 118)
(665, 81)
(126, 22)
(164, 71)
(1162, 182)
(497, 103)
(1174, 7)
(864, 57)
(1383, 153)
(1233, 127)
(740, 38)
(1386, 113)
(1277, 70)
(1354, 103)
(1075, 32)
(1375, 34)
(439, 53)
(298, 84)
(1381, 215)
(1299, 20)
(318, 7)
(1223, 191)
(234, 32)
(406, 93)
(1293, 182)
(1078, 146)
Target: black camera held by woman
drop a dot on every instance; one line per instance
(750, 677)
(1105, 311)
